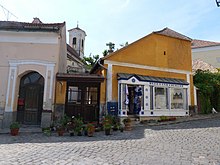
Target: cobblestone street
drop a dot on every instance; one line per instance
(193, 142)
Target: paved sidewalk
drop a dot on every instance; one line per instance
(194, 142)
(185, 119)
(37, 129)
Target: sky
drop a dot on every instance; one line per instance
(120, 21)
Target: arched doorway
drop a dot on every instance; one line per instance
(30, 100)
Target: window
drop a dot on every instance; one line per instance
(74, 41)
(161, 98)
(178, 99)
(74, 95)
(82, 43)
(91, 95)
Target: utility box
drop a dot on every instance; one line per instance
(112, 108)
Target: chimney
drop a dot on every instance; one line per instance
(36, 20)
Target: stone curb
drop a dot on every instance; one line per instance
(188, 119)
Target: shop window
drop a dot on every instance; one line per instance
(74, 95)
(151, 97)
(161, 98)
(178, 98)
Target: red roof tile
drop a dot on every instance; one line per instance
(171, 33)
(202, 43)
(199, 64)
(30, 26)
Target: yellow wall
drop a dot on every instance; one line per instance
(60, 92)
(152, 47)
(103, 88)
(153, 50)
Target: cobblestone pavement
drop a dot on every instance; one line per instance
(193, 142)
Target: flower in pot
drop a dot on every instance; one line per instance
(60, 130)
(90, 129)
(14, 127)
(47, 131)
(127, 123)
(107, 127)
(78, 128)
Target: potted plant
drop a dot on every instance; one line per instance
(14, 127)
(127, 123)
(90, 129)
(78, 128)
(107, 128)
(115, 123)
(47, 131)
(107, 124)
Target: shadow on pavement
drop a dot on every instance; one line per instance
(138, 132)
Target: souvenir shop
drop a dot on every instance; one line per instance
(152, 96)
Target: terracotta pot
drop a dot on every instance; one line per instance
(90, 133)
(14, 131)
(128, 127)
(60, 132)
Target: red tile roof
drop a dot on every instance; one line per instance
(30, 26)
(199, 64)
(171, 33)
(202, 43)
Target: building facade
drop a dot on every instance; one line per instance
(206, 51)
(77, 40)
(31, 56)
(150, 77)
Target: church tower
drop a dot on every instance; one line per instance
(77, 40)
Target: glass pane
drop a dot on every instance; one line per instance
(91, 96)
(161, 98)
(34, 77)
(123, 95)
(74, 95)
(151, 97)
(177, 98)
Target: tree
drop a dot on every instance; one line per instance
(91, 60)
(209, 86)
(124, 44)
(111, 47)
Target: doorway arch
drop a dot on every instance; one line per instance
(30, 100)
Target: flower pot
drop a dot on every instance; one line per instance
(90, 133)
(14, 131)
(60, 132)
(128, 126)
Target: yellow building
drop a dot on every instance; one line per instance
(150, 77)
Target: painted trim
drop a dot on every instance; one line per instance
(204, 49)
(13, 87)
(12, 79)
(7, 108)
(188, 91)
(109, 83)
(146, 67)
(45, 87)
(51, 81)
(30, 62)
(25, 37)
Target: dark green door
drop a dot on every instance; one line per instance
(30, 101)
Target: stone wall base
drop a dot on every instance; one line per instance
(46, 118)
(8, 118)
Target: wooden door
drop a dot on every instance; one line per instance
(30, 101)
(82, 100)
